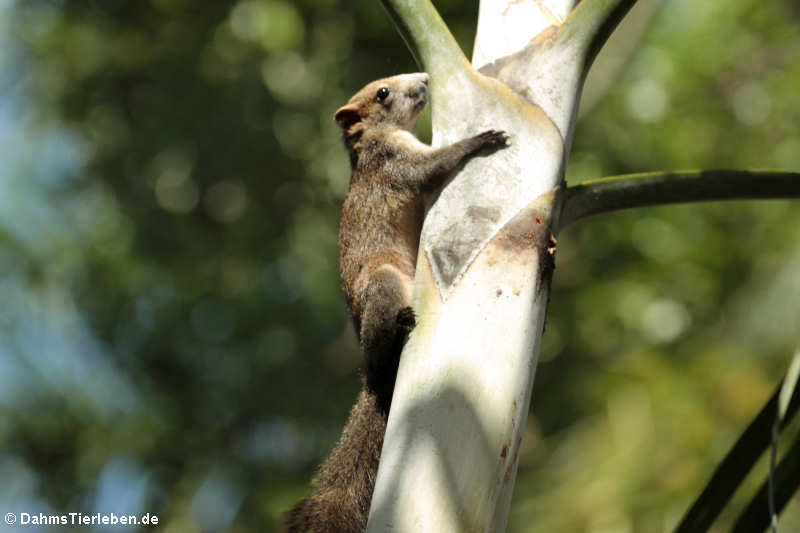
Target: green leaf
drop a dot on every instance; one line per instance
(789, 385)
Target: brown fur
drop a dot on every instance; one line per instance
(340, 503)
(378, 240)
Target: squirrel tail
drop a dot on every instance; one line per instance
(344, 483)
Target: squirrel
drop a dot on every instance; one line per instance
(393, 173)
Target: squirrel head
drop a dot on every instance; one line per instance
(396, 102)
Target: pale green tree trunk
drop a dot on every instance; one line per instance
(483, 274)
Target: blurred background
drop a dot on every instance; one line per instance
(173, 337)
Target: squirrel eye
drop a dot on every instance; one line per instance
(383, 92)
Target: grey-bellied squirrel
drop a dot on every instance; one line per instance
(392, 175)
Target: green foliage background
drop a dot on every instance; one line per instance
(173, 338)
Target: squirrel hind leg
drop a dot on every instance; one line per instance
(406, 320)
(386, 321)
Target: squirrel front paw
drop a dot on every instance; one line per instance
(493, 139)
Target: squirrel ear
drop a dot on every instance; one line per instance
(346, 116)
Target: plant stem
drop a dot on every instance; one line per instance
(591, 23)
(427, 36)
(659, 188)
